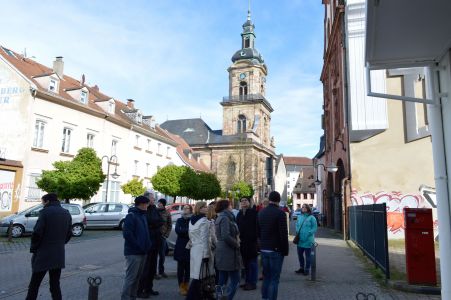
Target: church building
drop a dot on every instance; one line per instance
(244, 148)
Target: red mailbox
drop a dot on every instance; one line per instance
(420, 252)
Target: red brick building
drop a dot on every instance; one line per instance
(333, 77)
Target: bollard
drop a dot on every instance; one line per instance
(363, 296)
(10, 231)
(313, 262)
(94, 282)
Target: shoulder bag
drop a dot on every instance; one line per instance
(296, 238)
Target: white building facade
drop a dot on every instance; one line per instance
(47, 116)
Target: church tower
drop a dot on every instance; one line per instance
(246, 111)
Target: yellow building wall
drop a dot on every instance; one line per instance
(387, 169)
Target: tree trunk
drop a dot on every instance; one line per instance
(67, 201)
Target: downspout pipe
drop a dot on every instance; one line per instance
(441, 180)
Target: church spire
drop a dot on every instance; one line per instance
(249, 11)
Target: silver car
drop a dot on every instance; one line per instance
(24, 221)
(106, 215)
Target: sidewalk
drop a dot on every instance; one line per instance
(340, 274)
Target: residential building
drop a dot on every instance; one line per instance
(335, 121)
(48, 116)
(295, 168)
(304, 191)
(243, 149)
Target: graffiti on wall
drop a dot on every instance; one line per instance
(396, 201)
(6, 190)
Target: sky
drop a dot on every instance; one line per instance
(171, 56)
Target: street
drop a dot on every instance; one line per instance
(340, 274)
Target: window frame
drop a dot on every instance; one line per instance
(90, 142)
(38, 138)
(84, 97)
(66, 138)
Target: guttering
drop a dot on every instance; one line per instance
(396, 97)
(153, 135)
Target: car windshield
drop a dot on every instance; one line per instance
(30, 209)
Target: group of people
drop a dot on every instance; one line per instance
(146, 228)
(214, 249)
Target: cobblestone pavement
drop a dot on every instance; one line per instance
(340, 274)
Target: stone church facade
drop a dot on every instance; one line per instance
(244, 148)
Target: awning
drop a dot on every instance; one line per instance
(406, 33)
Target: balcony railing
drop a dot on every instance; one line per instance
(249, 97)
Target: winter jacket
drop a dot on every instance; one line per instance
(166, 228)
(52, 231)
(136, 232)
(154, 223)
(181, 228)
(247, 224)
(201, 236)
(228, 255)
(308, 230)
(272, 229)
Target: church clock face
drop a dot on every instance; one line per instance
(242, 76)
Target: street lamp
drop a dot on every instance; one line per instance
(115, 175)
(332, 168)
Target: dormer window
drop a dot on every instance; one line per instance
(83, 97)
(139, 118)
(53, 85)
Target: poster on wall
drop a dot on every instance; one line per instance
(6, 190)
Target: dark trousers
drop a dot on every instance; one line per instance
(183, 271)
(148, 274)
(162, 255)
(250, 270)
(304, 263)
(194, 290)
(35, 282)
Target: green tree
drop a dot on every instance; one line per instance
(242, 189)
(167, 180)
(208, 186)
(79, 178)
(134, 187)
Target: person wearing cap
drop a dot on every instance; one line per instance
(52, 231)
(154, 223)
(166, 229)
(136, 245)
(273, 235)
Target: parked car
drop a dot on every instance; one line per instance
(172, 237)
(106, 215)
(176, 210)
(24, 221)
(89, 205)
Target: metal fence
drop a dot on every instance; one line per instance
(368, 229)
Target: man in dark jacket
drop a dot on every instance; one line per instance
(273, 234)
(154, 223)
(50, 234)
(136, 246)
(247, 224)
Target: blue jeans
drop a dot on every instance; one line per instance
(234, 281)
(251, 270)
(272, 267)
(305, 264)
(134, 267)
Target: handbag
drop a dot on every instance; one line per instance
(207, 282)
(297, 238)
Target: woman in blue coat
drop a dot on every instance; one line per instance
(306, 228)
(181, 253)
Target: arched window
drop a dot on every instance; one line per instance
(241, 125)
(243, 88)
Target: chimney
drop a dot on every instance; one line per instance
(96, 88)
(130, 103)
(58, 66)
(82, 81)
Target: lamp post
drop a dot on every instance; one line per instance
(110, 160)
(332, 168)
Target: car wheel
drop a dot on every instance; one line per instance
(77, 230)
(121, 225)
(17, 231)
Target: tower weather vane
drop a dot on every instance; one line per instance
(249, 11)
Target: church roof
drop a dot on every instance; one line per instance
(297, 160)
(197, 132)
(251, 54)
